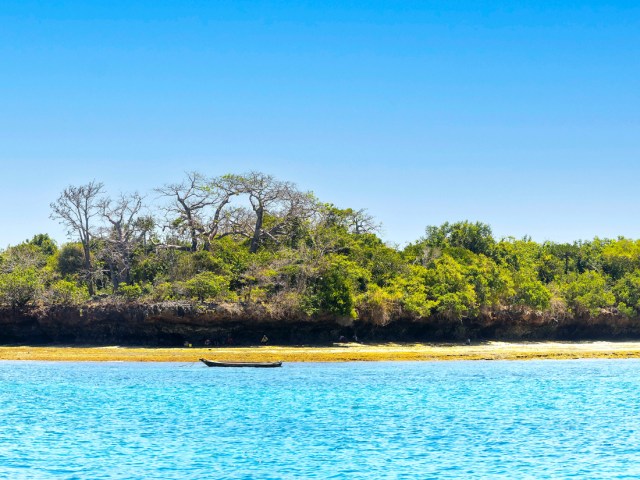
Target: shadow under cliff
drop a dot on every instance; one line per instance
(172, 324)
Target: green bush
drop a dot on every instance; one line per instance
(475, 237)
(334, 294)
(335, 289)
(64, 292)
(378, 305)
(163, 291)
(20, 287)
(621, 257)
(586, 293)
(627, 292)
(531, 292)
(45, 243)
(147, 269)
(451, 290)
(130, 292)
(206, 285)
(70, 259)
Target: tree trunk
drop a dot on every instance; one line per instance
(255, 240)
(87, 267)
(115, 279)
(194, 241)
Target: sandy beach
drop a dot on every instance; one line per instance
(337, 353)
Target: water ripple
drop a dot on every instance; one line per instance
(359, 420)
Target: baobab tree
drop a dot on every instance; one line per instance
(282, 201)
(75, 209)
(121, 234)
(196, 207)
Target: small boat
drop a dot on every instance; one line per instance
(212, 363)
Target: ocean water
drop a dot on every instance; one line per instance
(536, 419)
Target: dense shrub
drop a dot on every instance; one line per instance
(19, 287)
(130, 292)
(206, 286)
(586, 293)
(70, 259)
(64, 292)
(627, 292)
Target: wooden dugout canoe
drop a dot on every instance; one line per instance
(212, 363)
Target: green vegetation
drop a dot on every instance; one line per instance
(255, 241)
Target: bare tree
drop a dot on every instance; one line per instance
(292, 218)
(75, 209)
(221, 191)
(124, 230)
(146, 225)
(187, 199)
(360, 221)
(236, 221)
(269, 196)
(196, 207)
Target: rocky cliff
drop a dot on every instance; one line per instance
(172, 324)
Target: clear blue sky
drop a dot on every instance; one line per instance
(524, 115)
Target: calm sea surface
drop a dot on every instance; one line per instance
(546, 419)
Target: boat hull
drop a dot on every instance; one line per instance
(212, 363)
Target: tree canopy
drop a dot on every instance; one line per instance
(252, 239)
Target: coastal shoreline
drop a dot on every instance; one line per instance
(346, 352)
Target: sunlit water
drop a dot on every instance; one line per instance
(544, 419)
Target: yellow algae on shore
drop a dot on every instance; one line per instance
(337, 353)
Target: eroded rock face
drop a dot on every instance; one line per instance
(165, 324)
(173, 323)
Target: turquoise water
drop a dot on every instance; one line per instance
(544, 419)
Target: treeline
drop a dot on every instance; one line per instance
(253, 240)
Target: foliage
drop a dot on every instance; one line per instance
(206, 286)
(412, 289)
(70, 259)
(19, 287)
(262, 242)
(531, 292)
(450, 289)
(147, 268)
(335, 289)
(627, 292)
(44, 243)
(378, 304)
(65, 292)
(475, 237)
(130, 292)
(163, 291)
(23, 256)
(621, 257)
(586, 293)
